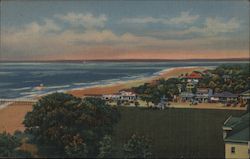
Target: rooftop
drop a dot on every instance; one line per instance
(246, 92)
(240, 128)
(225, 95)
(203, 90)
(187, 94)
(194, 75)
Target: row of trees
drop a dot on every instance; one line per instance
(137, 146)
(61, 125)
(231, 77)
(228, 77)
(154, 92)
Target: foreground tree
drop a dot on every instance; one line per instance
(137, 147)
(105, 150)
(9, 146)
(73, 126)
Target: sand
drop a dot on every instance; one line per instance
(11, 117)
(114, 88)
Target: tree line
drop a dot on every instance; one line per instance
(234, 78)
(62, 125)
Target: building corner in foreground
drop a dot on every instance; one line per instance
(236, 137)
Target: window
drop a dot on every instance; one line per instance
(232, 149)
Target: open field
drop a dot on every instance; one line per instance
(176, 132)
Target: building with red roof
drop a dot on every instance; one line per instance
(194, 75)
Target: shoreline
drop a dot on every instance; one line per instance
(114, 82)
(116, 86)
(11, 117)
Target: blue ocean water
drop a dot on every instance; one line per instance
(20, 79)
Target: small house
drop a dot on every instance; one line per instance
(187, 96)
(236, 137)
(163, 103)
(193, 77)
(245, 96)
(123, 95)
(190, 86)
(127, 94)
(203, 94)
(224, 97)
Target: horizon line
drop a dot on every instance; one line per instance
(132, 60)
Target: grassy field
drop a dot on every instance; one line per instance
(175, 132)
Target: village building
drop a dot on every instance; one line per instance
(203, 94)
(123, 95)
(236, 137)
(193, 77)
(245, 96)
(187, 96)
(115, 96)
(224, 97)
(163, 103)
(179, 87)
(207, 72)
(127, 95)
(190, 86)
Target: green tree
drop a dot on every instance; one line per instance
(76, 148)
(9, 146)
(105, 149)
(137, 147)
(73, 126)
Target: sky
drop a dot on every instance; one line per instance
(133, 29)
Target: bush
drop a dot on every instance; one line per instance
(9, 145)
(137, 147)
(105, 150)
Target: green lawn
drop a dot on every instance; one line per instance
(175, 132)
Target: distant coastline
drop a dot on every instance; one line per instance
(135, 60)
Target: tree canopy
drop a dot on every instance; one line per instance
(154, 92)
(73, 126)
(234, 78)
(137, 147)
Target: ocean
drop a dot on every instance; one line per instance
(20, 79)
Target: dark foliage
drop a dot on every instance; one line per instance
(72, 127)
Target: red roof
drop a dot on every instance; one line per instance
(194, 75)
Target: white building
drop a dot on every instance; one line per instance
(236, 137)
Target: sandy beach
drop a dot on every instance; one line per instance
(11, 117)
(113, 88)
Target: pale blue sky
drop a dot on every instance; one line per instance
(121, 29)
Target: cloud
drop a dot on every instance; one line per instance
(210, 27)
(48, 25)
(87, 20)
(214, 26)
(183, 18)
(34, 40)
